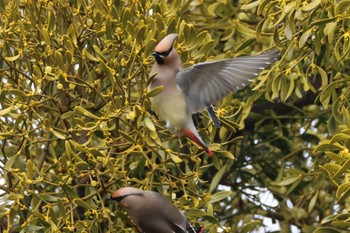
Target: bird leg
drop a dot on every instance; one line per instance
(213, 116)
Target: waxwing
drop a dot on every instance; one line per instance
(190, 90)
(151, 212)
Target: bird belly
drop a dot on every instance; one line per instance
(171, 106)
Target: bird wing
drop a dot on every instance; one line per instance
(208, 82)
(176, 228)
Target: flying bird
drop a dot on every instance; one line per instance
(190, 90)
(152, 212)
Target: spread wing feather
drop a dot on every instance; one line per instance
(208, 82)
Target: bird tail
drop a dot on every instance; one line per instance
(192, 229)
(192, 134)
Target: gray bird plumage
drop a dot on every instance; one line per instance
(152, 212)
(206, 83)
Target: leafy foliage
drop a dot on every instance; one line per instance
(75, 126)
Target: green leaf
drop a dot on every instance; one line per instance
(14, 197)
(335, 157)
(30, 169)
(48, 197)
(211, 8)
(126, 136)
(249, 227)
(288, 181)
(61, 208)
(11, 161)
(230, 125)
(341, 6)
(276, 38)
(327, 230)
(206, 47)
(11, 59)
(58, 134)
(33, 228)
(175, 158)
(343, 192)
(339, 137)
(51, 21)
(59, 60)
(290, 89)
(149, 47)
(247, 43)
(332, 125)
(328, 219)
(155, 91)
(329, 30)
(263, 6)
(17, 92)
(304, 37)
(312, 5)
(71, 194)
(68, 149)
(140, 35)
(312, 203)
(276, 85)
(82, 165)
(326, 94)
(226, 154)
(341, 224)
(82, 203)
(332, 168)
(324, 77)
(323, 21)
(46, 36)
(89, 56)
(283, 88)
(220, 196)
(217, 178)
(149, 141)
(97, 52)
(6, 110)
(250, 5)
(85, 112)
(196, 213)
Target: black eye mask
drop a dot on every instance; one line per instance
(159, 56)
(118, 199)
(166, 53)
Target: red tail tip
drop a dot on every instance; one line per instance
(188, 133)
(209, 153)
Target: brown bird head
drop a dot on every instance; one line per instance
(125, 196)
(164, 50)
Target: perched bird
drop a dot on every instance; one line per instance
(190, 90)
(152, 212)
